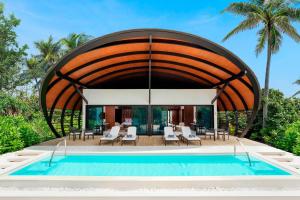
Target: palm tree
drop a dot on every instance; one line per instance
(49, 50)
(298, 83)
(274, 18)
(35, 71)
(74, 40)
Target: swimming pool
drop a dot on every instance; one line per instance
(150, 165)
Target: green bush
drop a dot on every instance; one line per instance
(16, 132)
(293, 133)
(28, 134)
(41, 127)
(281, 113)
(286, 138)
(10, 137)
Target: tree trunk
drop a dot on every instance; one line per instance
(267, 79)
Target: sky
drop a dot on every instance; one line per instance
(41, 18)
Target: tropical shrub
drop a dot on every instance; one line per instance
(16, 132)
(282, 112)
(10, 137)
(41, 127)
(287, 138)
(21, 123)
(28, 134)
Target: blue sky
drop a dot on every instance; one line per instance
(40, 18)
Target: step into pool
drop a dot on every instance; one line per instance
(150, 165)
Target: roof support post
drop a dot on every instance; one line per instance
(79, 119)
(219, 93)
(227, 121)
(149, 87)
(73, 112)
(236, 123)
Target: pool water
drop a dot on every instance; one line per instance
(150, 165)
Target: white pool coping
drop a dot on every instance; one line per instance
(127, 186)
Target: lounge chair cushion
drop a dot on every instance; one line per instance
(129, 137)
(131, 134)
(187, 134)
(169, 134)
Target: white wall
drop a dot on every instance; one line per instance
(141, 97)
(182, 96)
(116, 96)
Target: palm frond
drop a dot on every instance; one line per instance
(258, 2)
(283, 23)
(298, 92)
(242, 8)
(292, 13)
(49, 49)
(262, 39)
(74, 40)
(275, 39)
(297, 82)
(83, 38)
(249, 23)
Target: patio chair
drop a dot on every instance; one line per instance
(112, 136)
(222, 132)
(188, 136)
(210, 133)
(88, 133)
(74, 132)
(130, 136)
(169, 135)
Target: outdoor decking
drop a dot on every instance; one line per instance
(152, 141)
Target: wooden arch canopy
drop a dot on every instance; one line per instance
(172, 59)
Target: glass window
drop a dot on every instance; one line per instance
(94, 116)
(205, 116)
(140, 118)
(160, 119)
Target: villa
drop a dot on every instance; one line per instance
(136, 115)
(147, 78)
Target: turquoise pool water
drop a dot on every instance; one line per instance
(149, 165)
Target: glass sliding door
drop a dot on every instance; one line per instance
(94, 114)
(205, 116)
(159, 119)
(140, 118)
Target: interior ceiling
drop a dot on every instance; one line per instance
(178, 60)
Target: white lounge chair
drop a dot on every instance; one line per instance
(130, 136)
(188, 136)
(112, 136)
(169, 135)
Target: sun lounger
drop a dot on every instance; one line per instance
(130, 136)
(188, 136)
(112, 136)
(169, 135)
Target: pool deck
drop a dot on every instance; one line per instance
(273, 187)
(152, 141)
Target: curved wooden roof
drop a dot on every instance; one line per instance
(178, 60)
